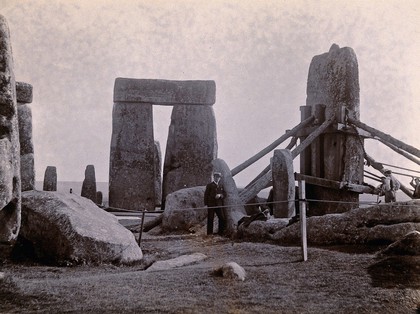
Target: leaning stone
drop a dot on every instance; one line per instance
(89, 184)
(190, 148)
(10, 180)
(184, 209)
(231, 270)
(50, 179)
(177, 262)
(233, 208)
(333, 81)
(66, 228)
(165, 92)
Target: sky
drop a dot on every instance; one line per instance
(257, 52)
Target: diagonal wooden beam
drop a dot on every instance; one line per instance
(386, 137)
(272, 146)
(400, 151)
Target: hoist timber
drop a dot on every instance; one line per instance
(386, 137)
(272, 146)
(338, 185)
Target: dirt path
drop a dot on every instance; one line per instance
(277, 282)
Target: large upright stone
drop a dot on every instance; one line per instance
(133, 171)
(50, 179)
(10, 184)
(132, 159)
(333, 81)
(89, 184)
(190, 149)
(27, 168)
(283, 184)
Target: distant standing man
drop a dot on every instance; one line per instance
(415, 183)
(391, 186)
(213, 199)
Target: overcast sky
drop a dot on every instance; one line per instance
(257, 52)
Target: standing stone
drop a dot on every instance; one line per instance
(10, 184)
(158, 172)
(89, 184)
(190, 149)
(99, 198)
(50, 179)
(283, 184)
(132, 160)
(133, 173)
(27, 168)
(333, 81)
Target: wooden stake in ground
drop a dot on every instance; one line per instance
(302, 213)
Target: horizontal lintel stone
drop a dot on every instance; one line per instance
(24, 92)
(165, 92)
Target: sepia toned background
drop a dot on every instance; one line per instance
(257, 52)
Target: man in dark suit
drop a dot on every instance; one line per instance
(213, 199)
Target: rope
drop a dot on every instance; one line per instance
(400, 167)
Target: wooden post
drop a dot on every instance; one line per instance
(141, 226)
(302, 213)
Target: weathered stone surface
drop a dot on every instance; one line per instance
(164, 92)
(89, 184)
(99, 198)
(67, 228)
(283, 184)
(191, 146)
(24, 92)
(407, 245)
(132, 158)
(377, 224)
(233, 209)
(179, 261)
(262, 230)
(50, 179)
(158, 174)
(184, 209)
(333, 80)
(26, 147)
(10, 182)
(398, 264)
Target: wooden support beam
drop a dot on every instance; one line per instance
(401, 152)
(337, 185)
(319, 181)
(307, 141)
(386, 137)
(272, 146)
(264, 180)
(247, 194)
(378, 166)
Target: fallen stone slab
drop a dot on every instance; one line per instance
(179, 261)
(65, 228)
(380, 224)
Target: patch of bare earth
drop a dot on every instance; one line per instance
(277, 281)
